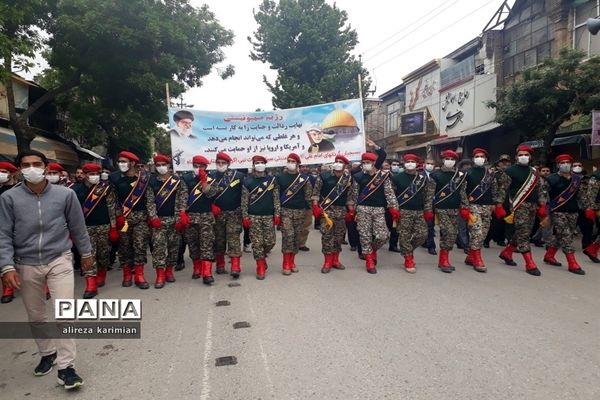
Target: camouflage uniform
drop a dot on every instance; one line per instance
(100, 247)
(480, 208)
(333, 236)
(591, 198)
(165, 240)
(293, 213)
(200, 234)
(564, 217)
(446, 210)
(262, 230)
(412, 227)
(228, 224)
(370, 214)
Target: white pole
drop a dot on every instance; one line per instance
(168, 95)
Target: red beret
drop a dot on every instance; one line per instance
(55, 167)
(162, 158)
(341, 158)
(410, 157)
(449, 154)
(200, 160)
(90, 167)
(369, 156)
(130, 156)
(224, 157)
(259, 158)
(480, 150)
(525, 148)
(8, 166)
(563, 157)
(294, 157)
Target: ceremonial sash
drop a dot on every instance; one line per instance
(566, 194)
(259, 191)
(449, 188)
(196, 192)
(340, 187)
(524, 191)
(225, 183)
(483, 186)
(411, 191)
(372, 186)
(136, 193)
(94, 197)
(167, 190)
(67, 183)
(294, 188)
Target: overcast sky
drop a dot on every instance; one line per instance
(395, 38)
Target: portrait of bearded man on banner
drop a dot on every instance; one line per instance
(183, 125)
(319, 141)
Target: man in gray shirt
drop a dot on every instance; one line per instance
(38, 224)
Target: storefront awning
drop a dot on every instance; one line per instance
(481, 129)
(53, 149)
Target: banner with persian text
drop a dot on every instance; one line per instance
(316, 133)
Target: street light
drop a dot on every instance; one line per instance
(593, 25)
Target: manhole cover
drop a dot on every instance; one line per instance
(228, 360)
(222, 303)
(242, 324)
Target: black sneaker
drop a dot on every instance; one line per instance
(69, 379)
(45, 365)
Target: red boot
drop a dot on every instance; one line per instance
(169, 276)
(370, 263)
(335, 261)
(327, 264)
(159, 283)
(236, 269)
(207, 277)
(374, 253)
(574, 266)
(549, 257)
(260, 269)
(138, 278)
(478, 264)
(8, 294)
(592, 252)
(444, 263)
(530, 266)
(507, 253)
(469, 258)
(197, 274)
(220, 261)
(91, 287)
(292, 259)
(127, 277)
(286, 266)
(409, 264)
(100, 277)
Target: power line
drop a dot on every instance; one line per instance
(401, 30)
(416, 29)
(434, 35)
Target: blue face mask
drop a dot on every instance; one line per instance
(396, 169)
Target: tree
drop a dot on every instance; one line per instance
(548, 95)
(110, 60)
(308, 43)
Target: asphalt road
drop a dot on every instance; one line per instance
(345, 335)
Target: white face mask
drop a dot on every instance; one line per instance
(578, 170)
(162, 169)
(221, 168)
(523, 160)
(3, 177)
(260, 167)
(338, 166)
(564, 167)
(479, 161)
(367, 167)
(410, 165)
(449, 163)
(104, 176)
(123, 166)
(429, 167)
(94, 179)
(53, 178)
(291, 166)
(395, 169)
(33, 175)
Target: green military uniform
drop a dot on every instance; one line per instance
(293, 209)
(591, 201)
